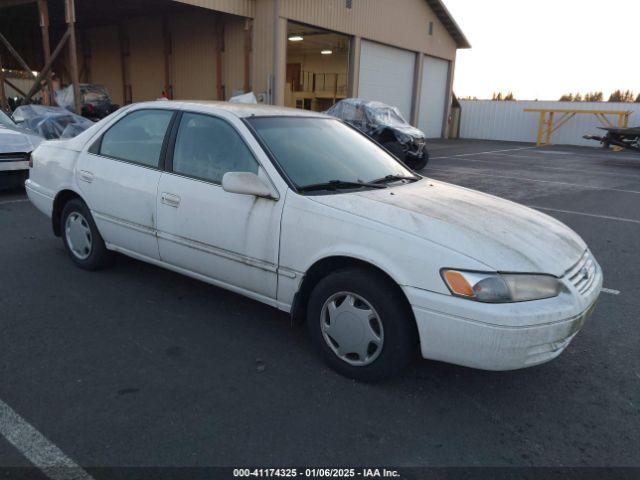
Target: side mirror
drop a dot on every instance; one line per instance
(246, 183)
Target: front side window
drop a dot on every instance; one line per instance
(138, 137)
(208, 147)
(317, 150)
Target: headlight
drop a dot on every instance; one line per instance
(500, 288)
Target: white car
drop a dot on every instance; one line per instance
(304, 213)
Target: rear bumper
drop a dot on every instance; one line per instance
(39, 198)
(499, 337)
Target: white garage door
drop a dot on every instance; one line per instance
(386, 75)
(433, 96)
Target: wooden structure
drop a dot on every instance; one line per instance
(546, 125)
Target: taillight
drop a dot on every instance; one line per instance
(30, 160)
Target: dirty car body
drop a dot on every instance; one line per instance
(385, 124)
(301, 212)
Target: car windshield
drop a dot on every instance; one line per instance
(386, 116)
(95, 93)
(315, 151)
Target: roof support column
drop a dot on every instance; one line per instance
(220, 93)
(168, 53)
(354, 66)
(70, 18)
(3, 94)
(449, 99)
(127, 94)
(248, 32)
(280, 54)
(418, 73)
(43, 13)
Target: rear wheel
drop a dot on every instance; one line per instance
(81, 237)
(361, 325)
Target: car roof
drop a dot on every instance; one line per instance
(241, 110)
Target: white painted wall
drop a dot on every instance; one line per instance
(386, 75)
(489, 120)
(433, 96)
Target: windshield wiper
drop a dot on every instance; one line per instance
(335, 184)
(395, 178)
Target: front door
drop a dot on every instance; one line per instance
(119, 176)
(229, 239)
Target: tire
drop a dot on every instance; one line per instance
(375, 295)
(417, 165)
(76, 225)
(395, 149)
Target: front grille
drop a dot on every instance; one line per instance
(583, 274)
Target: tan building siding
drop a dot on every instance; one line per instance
(146, 61)
(233, 59)
(244, 8)
(400, 23)
(105, 66)
(194, 56)
(263, 45)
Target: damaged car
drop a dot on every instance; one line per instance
(16, 145)
(300, 211)
(386, 125)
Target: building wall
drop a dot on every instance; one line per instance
(194, 55)
(403, 23)
(244, 8)
(105, 64)
(486, 119)
(233, 59)
(146, 60)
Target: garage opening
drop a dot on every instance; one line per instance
(317, 67)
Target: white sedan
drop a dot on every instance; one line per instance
(302, 212)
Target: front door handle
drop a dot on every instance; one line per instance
(86, 176)
(170, 199)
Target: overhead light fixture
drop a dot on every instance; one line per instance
(326, 52)
(296, 38)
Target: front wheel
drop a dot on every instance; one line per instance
(361, 325)
(81, 237)
(418, 164)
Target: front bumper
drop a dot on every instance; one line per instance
(500, 336)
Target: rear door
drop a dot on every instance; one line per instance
(119, 176)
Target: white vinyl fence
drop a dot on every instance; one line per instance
(490, 120)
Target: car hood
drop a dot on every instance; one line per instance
(16, 140)
(503, 235)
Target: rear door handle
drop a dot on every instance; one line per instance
(170, 199)
(86, 176)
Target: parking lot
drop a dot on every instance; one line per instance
(138, 366)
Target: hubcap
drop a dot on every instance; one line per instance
(352, 328)
(78, 235)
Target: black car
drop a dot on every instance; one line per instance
(385, 124)
(95, 101)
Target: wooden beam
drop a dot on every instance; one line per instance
(14, 86)
(43, 13)
(219, 51)
(47, 67)
(15, 54)
(168, 53)
(127, 95)
(70, 18)
(248, 32)
(3, 94)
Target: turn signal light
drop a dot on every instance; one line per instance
(458, 283)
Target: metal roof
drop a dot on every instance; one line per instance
(449, 23)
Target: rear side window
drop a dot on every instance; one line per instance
(208, 147)
(138, 137)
